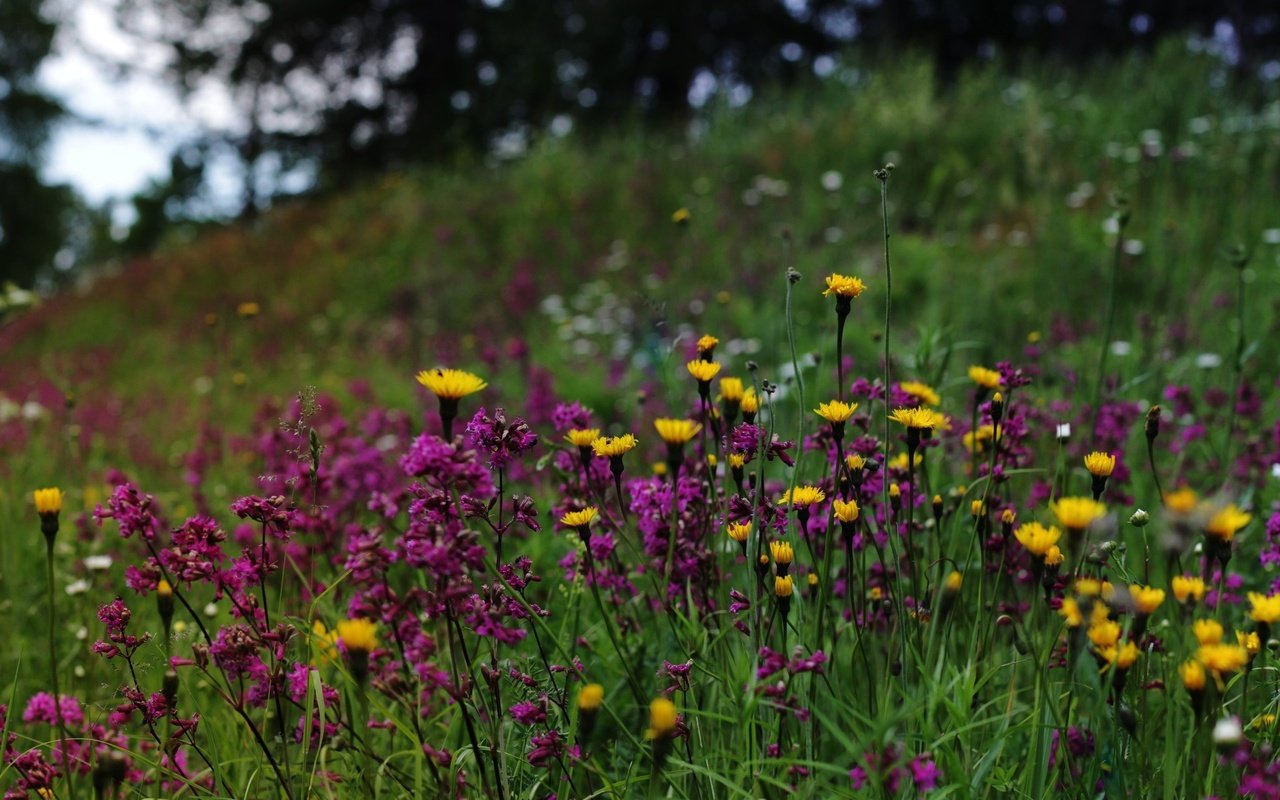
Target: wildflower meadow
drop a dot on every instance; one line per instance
(942, 464)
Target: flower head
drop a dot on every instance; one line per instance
(579, 519)
(782, 553)
(836, 411)
(919, 418)
(783, 586)
(582, 437)
(1181, 500)
(750, 403)
(451, 384)
(1226, 522)
(48, 501)
(358, 634)
(802, 496)
(921, 391)
(845, 511)
(1036, 538)
(1193, 677)
(1207, 631)
(676, 431)
(703, 371)
(662, 719)
(614, 446)
(1146, 599)
(739, 531)
(1077, 513)
(1099, 464)
(1187, 586)
(984, 378)
(1264, 608)
(844, 285)
(590, 697)
(1220, 658)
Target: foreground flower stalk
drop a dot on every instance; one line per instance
(48, 504)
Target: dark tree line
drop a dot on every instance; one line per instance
(343, 87)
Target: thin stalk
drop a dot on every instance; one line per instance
(1122, 218)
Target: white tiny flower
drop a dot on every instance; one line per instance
(832, 180)
(98, 563)
(1064, 431)
(1121, 348)
(77, 587)
(1208, 360)
(1227, 732)
(211, 610)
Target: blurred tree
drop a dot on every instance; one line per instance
(33, 215)
(342, 86)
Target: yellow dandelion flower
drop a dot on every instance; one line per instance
(854, 462)
(676, 431)
(579, 519)
(732, 389)
(1146, 599)
(1220, 658)
(1193, 677)
(1207, 631)
(358, 634)
(1088, 587)
(1188, 586)
(802, 496)
(919, 418)
(582, 437)
(750, 403)
(248, 309)
(782, 553)
(1104, 634)
(681, 216)
(659, 468)
(1099, 464)
(1053, 556)
(451, 384)
(739, 531)
(737, 460)
(783, 586)
(954, 581)
(324, 644)
(1036, 538)
(836, 411)
(1181, 500)
(1226, 522)
(844, 285)
(899, 462)
(984, 378)
(614, 446)
(1070, 611)
(1249, 641)
(978, 438)
(662, 719)
(1121, 657)
(48, 501)
(845, 512)
(590, 697)
(1077, 513)
(1264, 609)
(921, 391)
(703, 371)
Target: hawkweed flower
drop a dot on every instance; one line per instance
(847, 512)
(583, 438)
(922, 392)
(739, 532)
(681, 216)
(703, 371)
(1187, 587)
(732, 391)
(783, 588)
(359, 638)
(49, 505)
(918, 422)
(1221, 659)
(1100, 466)
(707, 347)
(164, 604)
(895, 497)
(676, 433)
(1146, 599)
(1220, 530)
(737, 467)
(749, 405)
(450, 386)
(580, 521)
(984, 379)
(1250, 641)
(1182, 500)
(590, 699)
(614, 448)
(1036, 538)
(845, 288)
(1265, 611)
(837, 413)
(938, 509)
(664, 721)
(1076, 514)
(1207, 631)
(802, 498)
(248, 310)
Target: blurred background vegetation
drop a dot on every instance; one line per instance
(328, 92)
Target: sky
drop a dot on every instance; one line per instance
(123, 128)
